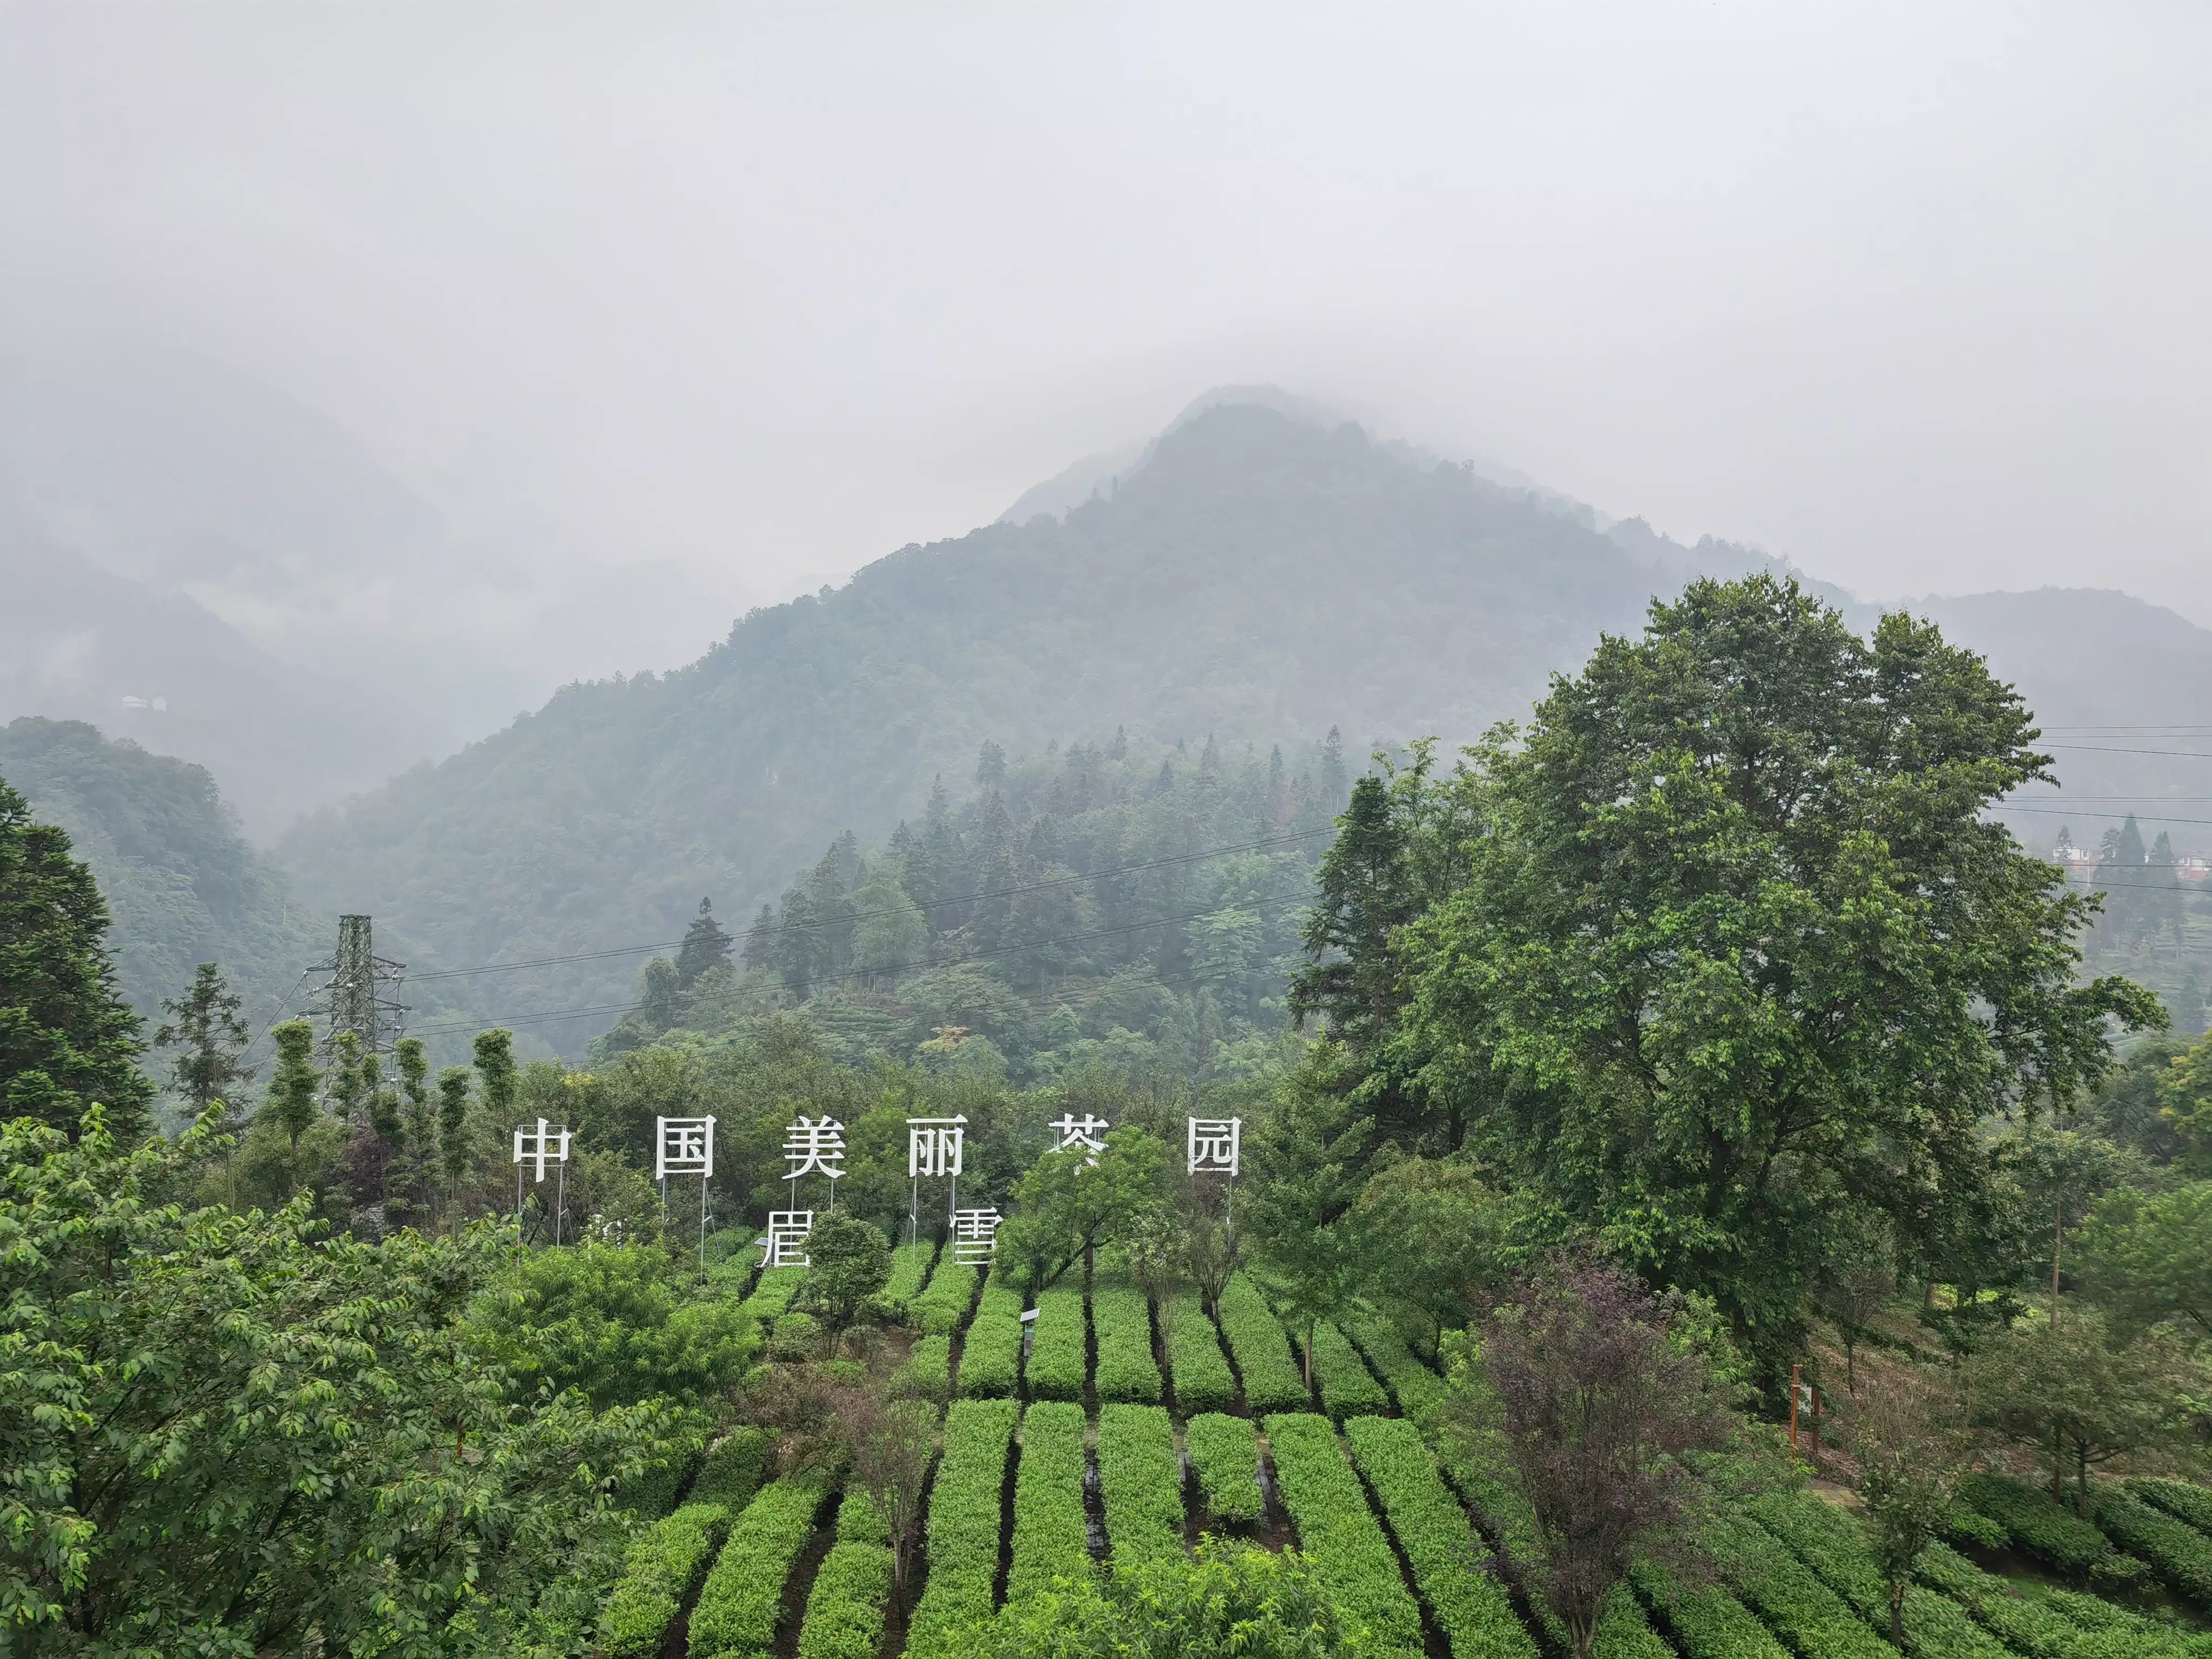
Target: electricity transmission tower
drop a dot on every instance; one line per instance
(361, 994)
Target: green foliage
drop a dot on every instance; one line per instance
(964, 1528)
(929, 1371)
(1271, 1382)
(1068, 1205)
(2054, 1626)
(733, 1470)
(1708, 1622)
(1300, 1215)
(2183, 1501)
(663, 1564)
(941, 1307)
(1225, 1455)
(1346, 1387)
(1051, 1534)
(1229, 1601)
(1625, 1633)
(1808, 1616)
(773, 1293)
(2148, 1256)
(1414, 1389)
(1203, 1381)
(910, 1266)
(991, 1354)
(2046, 1530)
(1056, 1347)
(295, 1082)
(1449, 1561)
(735, 1613)
(1121, 1323)
(1140, 1478)
(617, 1322)
(1761, 836)
(1909, 1444)
(1346, 1549)
(1836, 1550)
(844, 1617)
(851, 1261)
(220, 1430)
(2180, 1554)
(204, 1025)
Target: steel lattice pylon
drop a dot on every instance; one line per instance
(361, 994)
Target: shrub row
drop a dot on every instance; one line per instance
(663, 1562)
(1834, 1545)
(1202, 1378)
(651, 1493)
(2040, 1627)
(1339, 1535)
(1805, 1613)
(1709, 1623)
(1451, 1568)
(910, 1266)
(963, 1529)
(736, 1615)
(940, 1308)
(2045, 1528)
(773, 1294)
(1056, 1345)
(2183, 1501)
(1500, 1504)
(733, 1470)
(1121, 1323)
(1052, 1534)
(845, 1610)
(1347, 1389)
(1415, 1388)
(991, 1355)
(1141, 1478)
(2180, 1554)
(1271, 1382)
(1625, 1633)
(1225, 1453)
(929, 1368)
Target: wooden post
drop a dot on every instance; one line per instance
(1793, 1408)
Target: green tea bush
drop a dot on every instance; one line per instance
(1414, 1389)
(859, 1522)
(1347, 1388)
(1122, 1323)
(991, 1354)
(1451, 1568)
(1625, 1633)
(940, 1308)
(1272, 1379)
(929, 1371)
(2180, 1554)
(1225, 1455)
(1340, 1536)
(1805, 1613)
(2184, 1503)
(845, 1609)
(1052, 1535)
(733, 1469)
(1056, 1357)
(1202, 1379)
(1709, 1623)
(2047, 1627)
(2045, 1528)
(663, 1562)
(738, 1606)
(1141, 1478)
(1834, 1547)
(773, 1294)
(910, 1268)
(961, 1533)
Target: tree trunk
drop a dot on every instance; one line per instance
(2082, 1477)
(2057, 1468)
(1897, 1614)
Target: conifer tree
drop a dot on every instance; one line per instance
(67, 1038)
(495, 1058)
(204, 1025)
(705, 946)
(453, 1127)
(295, 1084)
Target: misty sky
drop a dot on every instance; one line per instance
(1916, 295)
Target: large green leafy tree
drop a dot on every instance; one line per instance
(222, 1435)
(1736, 954)
(67, 1039)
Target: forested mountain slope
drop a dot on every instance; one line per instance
(1260, 579)
(182, 884)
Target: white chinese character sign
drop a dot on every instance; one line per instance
(812, 1144)
(684, 1145)
(1214, 1145)
(785, 1243)
(541, 1148)
(1085, 1131)
(934, 1145)
(975, 1237)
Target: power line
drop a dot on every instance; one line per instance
(2061, 812)
(2100, 749)
(1204, 852)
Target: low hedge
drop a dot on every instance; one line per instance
(1708, 1622)
(1340, 1536)
(1834, 1547)
(845, 1609)
(1121, 1325)
(1272, 1380)
(961, 1531)
(991, 1354)
(2059, 1625)
(1805, 1613)
(2038, 1523)
(940, 1308)
(663, 1564)
(733, 1469)
(1414, 1389)
(1196, 1366)
(651, 1493)
(1626, 1633)
(1056, 1346)
(1141, 1478)
(1347, 1388)
(2180, 1555)
(1488, 1487)
(910, 1266)
(773, 1294)
(1451, 1568)
(928, 1368)
(859, 1522)
(1225, 1455)
(2184, 1503)
(1052, 1533)
(737, 1606)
